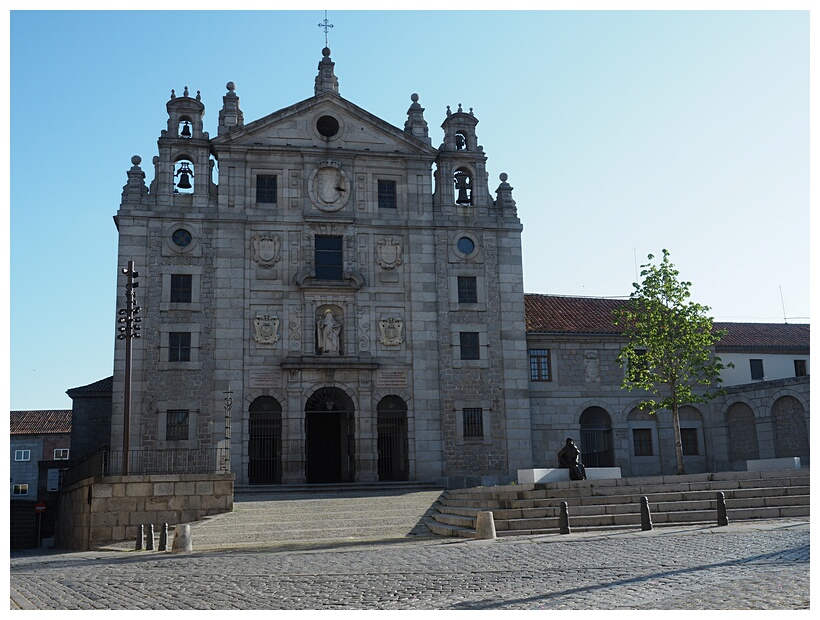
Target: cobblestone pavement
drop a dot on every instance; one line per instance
(751, 565)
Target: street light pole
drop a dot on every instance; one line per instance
(228, 405)
(129, 329)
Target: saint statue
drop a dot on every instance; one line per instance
(327, 333)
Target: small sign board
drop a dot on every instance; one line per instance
(39, 507)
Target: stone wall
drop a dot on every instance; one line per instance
(101, 510)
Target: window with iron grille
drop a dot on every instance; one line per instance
(181, 288)
(22, 455)
(642, 441)
(756, 369)
(61, 454)
(176, 425)
(467, 290)
(387, 194)
(20, 489)
(540, 365)
(266, 188)
(329, 264)
(470, 348)
(473, 420)
(179, 346)
(689, 441)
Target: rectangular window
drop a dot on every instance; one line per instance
(540, 365)
(266, 188)
(642, 441)
(689, 441)
(329, 265)
(387, 194)
(467, 290)
(756, 368)
(20, 489)
(22, 455)
(470, 349)
(800, 368)
(176, 425)
(61, 454)
(473, 420)
(181, 288)
(179, 346)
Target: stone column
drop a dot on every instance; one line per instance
(293, 431)
(367, 449)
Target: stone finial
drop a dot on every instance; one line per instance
(185, 92)
(135, 187)
(230, 115)
(504, 199)
(326, 81)
(415, 124)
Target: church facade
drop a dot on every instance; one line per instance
(356, 291)
(326, 297)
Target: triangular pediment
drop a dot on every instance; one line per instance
(298, 126)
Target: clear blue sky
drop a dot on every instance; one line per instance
(622, 132)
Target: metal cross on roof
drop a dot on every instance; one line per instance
(325, 25)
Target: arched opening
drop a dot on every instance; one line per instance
(183, 176)
(265, 441)
(463, 186)
(791, 437)
(392, 438)
(596, 438)
(743, 445)
(330, 437)
(185, 127)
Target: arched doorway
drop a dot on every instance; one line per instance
(596, 438)
(265, 441)
(791, 438)
(743, 444)
(329, 434)
(392, 430)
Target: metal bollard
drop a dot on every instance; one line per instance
(563, 521)
(646, 517)
(150, 538)
(163, 538)
(140, 537)
(722, 517)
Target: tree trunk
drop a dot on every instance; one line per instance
(678, 442)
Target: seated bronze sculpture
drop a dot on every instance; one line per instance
(569, 457)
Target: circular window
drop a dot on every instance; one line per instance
(327, 126)
(465, 245)
(181, 237)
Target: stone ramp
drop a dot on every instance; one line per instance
(314, 517)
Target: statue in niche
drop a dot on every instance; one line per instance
(266, 249)
(390, 329)
(569, 457)
(327, 333)
(267, 329)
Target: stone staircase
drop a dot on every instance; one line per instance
(615, 504)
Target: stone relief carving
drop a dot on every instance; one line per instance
(364, 329)
(390, 331)
(328, 186)
(388, 253)
(266, 249)
(591, 367)
(266, 329)
(295, 325)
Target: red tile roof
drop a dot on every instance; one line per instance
(555, 314)
(103, 386)
(41, 422)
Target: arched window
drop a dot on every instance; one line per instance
(790, 435)
(265, 441)
(740, 420)
(463, 186)
(596, 438)
(392, 438)
(183, 176)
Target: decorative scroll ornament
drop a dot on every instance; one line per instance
(266, 329)
(329, 188)
(388, 253)
(390, 329)
(266, 249)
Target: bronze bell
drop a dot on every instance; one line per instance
(186, 130)
(184, 175)
(462, 185)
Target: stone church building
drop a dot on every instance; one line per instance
(336, 299)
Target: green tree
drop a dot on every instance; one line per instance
(669, 351)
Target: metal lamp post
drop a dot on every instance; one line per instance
(228, 405)
(129, 329)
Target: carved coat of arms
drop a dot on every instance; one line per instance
(390, 331)
(388, 253)
(266, 249)
(328, 186)
(266, 329)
